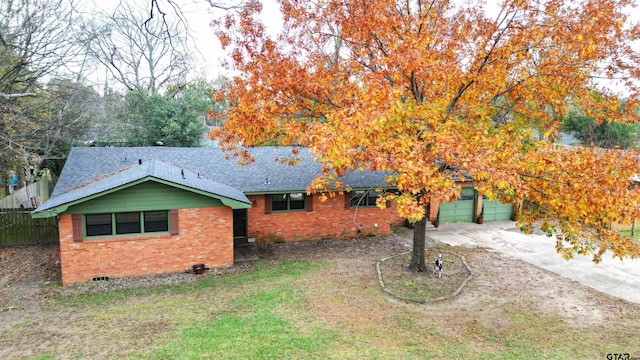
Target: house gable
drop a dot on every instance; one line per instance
(145, 196)
(131, 175)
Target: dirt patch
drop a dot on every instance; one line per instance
(29, 263)
(499, 282)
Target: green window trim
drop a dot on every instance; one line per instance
(363, 198)
(126, 224)
(291, 202)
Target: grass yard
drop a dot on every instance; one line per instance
(635, 237)
(325, 302)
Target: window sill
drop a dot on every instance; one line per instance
(126, 237)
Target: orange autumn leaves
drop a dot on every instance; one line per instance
(436, 91)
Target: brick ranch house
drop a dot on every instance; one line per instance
(149, 210)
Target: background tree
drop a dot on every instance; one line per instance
(429, 91)
(217, 113)
(140, 52)
(37, 43)
(175, 119)
(36, 40)
(65, 113)
(606, 134)
(105, 128)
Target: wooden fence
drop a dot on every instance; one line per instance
(18, 228)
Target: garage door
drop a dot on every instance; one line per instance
(495, 210)
(461, 210)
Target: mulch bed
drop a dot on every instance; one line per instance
(29, 264)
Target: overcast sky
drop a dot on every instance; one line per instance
(199, 15)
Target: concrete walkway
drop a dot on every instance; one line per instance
(612, 276)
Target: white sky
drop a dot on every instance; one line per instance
(199, 15)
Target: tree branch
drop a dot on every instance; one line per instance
(18, 95)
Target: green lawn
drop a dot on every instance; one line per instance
(303, 309)
(635, 237)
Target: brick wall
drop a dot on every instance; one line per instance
(206, 236)
(329, 219)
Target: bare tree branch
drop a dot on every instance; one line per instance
(18, 95)
(37, 44)
(140, 52)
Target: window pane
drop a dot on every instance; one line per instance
(279, 202)
(467, 194)
(372, 198)
(128, 223)
(155, 221)
(98, 224)
(296, 201)
(357, 198)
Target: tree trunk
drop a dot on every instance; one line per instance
(417, 259)
(20, 175)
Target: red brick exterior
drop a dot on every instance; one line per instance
(328, 219)
(206, 236)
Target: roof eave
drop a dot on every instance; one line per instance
(49, 212)
(232, 203)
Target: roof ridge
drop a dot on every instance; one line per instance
(102, 177)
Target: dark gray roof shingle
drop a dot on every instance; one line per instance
(130, 173)
(91, 170)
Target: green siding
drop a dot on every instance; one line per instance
(461, 210)
(149, 195)
(495, 210)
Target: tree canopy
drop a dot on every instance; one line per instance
(431, 91)
(175, 119)
(139, 52)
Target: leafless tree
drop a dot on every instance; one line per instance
(35, 41)
(140, 52)
(37, 44)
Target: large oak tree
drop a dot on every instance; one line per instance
(431, 91)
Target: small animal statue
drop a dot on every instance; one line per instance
(437, 267)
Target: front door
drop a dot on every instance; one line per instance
(239, 223)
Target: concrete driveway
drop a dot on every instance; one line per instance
(611, 276)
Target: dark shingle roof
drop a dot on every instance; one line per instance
(131, 173)
(91, 170)
(84, 164)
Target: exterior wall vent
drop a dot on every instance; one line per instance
(199, 268)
